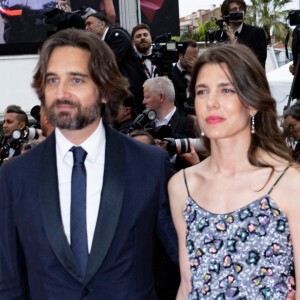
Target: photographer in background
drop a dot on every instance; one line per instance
(239, 32)
(125, 115)
(181, 74)
(159, 95)
(119, 40)
(14, 119)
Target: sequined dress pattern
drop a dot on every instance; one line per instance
(246, 254)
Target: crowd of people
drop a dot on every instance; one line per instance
(98, 207)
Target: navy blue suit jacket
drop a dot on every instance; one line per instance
(36, 261)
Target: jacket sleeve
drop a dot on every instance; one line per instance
(165, 228)
(12, 267)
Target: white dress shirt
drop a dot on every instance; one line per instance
(148, 65)
(94, 145)
(166, 119)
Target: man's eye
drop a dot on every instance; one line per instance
(51, 80)
(77, 80)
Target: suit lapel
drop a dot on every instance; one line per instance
(111, 200)
(50, 208)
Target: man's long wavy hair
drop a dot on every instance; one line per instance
(249, 79)
(103, 69)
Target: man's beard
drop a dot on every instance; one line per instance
(143, 49)
(79, 119)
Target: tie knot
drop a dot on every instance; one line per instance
(237, 34)
(79, 154)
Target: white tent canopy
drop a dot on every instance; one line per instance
(280, 81)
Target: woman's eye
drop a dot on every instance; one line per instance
(201, 92)
(228, 91)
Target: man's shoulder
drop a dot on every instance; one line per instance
(115, 31)
(253, 29)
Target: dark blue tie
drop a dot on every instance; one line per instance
(79, 243)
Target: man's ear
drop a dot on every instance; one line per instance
(180, 56)
(161, 97)
(22, 125)
(127, 110)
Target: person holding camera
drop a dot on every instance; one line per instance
(239, 32)
(14, 119)
(159, 95)
(236, 213)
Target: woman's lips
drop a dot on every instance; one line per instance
(214, 119)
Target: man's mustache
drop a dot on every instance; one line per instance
(65, 102)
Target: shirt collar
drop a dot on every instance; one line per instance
(104, 34)
(166, 119)
(94, 145)
(179, 67)
(240, 28)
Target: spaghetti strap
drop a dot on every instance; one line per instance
(271, 189)
(187, 188)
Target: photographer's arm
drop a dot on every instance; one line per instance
(191, 157)
(231, 35)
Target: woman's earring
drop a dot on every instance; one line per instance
(202, 133)
(252, 124)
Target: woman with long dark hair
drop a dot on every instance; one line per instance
(237, 212)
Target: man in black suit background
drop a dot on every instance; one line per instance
(251, 36)
(181, 74)
(119, 40)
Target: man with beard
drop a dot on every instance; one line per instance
(141, 40)
(181, 74)
(81, 225)
(239, 32)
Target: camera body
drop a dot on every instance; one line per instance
(220, 34)
(294, 17)
(17, 138)
(165, 52)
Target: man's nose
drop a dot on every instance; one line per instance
(63, 91)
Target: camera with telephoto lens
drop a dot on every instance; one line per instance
(143, 120)
(17, 138)
(220, 35)
(180, 146)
